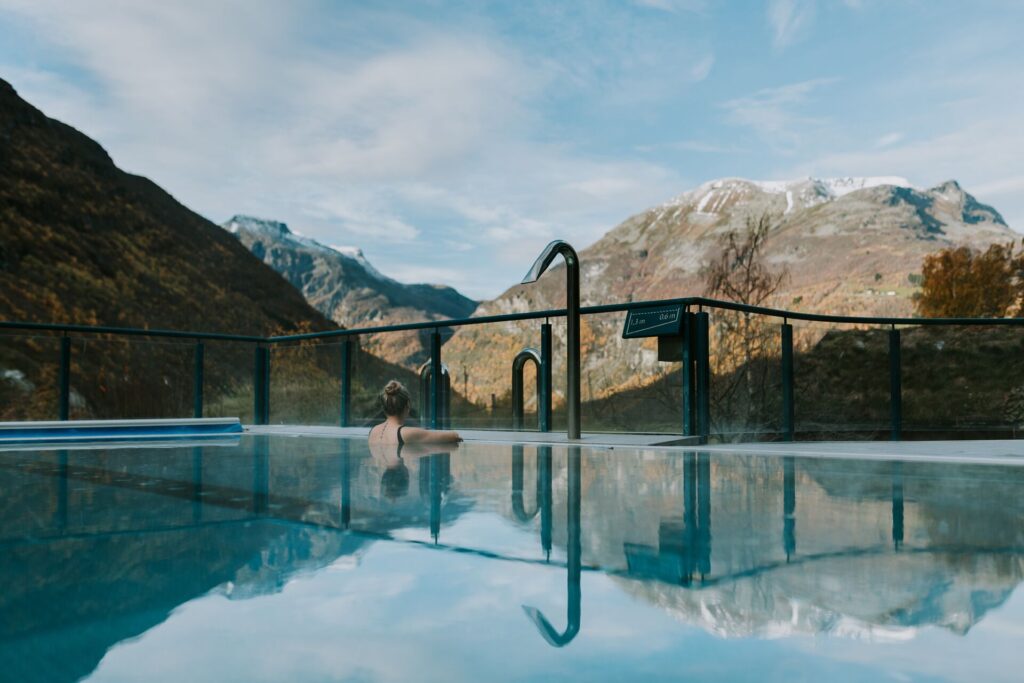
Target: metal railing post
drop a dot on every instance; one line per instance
(346, 383)
(261, 386)
(895, 385)
(266, 386)
(788, 418)
(197, 381)
(257, 386)
(64, 380)
(689, 323)
(544, 398)
(703, 379)
(446, 399)
(435, 380)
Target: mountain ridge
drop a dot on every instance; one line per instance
(344, 286)
(849, 245)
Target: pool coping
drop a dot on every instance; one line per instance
(980, 452)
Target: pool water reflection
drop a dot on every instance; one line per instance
(288, 558)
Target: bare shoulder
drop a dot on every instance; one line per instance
(410, 433)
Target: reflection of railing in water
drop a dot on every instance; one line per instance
(574, 563)
(677, 563)
(435, 474)
(897, 505)
(291, 511)
(684, 550)
(789, 506)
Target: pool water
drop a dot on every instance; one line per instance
(314, 559)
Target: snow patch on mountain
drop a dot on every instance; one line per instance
(277, 230)
(356, 254)
(714, 196)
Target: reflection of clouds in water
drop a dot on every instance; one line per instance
(990, 652)
(409, 612)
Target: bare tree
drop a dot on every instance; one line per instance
(738, 273)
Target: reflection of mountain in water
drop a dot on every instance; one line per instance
(768, 547)
(100, 546)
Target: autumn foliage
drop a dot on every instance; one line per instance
(964, 283)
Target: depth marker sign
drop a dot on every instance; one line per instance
(653, 322)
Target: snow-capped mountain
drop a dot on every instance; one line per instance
(850, 245)
(799, 193)
(342, 284)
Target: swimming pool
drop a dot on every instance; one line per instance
(318, 559)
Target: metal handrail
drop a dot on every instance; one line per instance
(693, 301)
(518, 395)
(129, 331)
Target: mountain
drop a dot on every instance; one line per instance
(340, 283)
(84, 242)
(850, 246)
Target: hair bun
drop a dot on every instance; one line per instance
(392, 388)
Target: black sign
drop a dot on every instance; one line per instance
(654, 322)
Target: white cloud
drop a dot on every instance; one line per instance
(789, 20)
(701, 70)
(232, 109)
(889, 139)
(1002, 186)
(673, 5)
(774, 112)
(704, 147)
(366, 220)
(983, 156)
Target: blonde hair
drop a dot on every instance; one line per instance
(394, 399)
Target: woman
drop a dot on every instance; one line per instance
(396, 404)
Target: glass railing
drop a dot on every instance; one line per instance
(753, 374)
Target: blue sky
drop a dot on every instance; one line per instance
(452, 140)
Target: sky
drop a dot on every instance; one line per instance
(452, 140)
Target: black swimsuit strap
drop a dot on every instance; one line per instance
(401, 441)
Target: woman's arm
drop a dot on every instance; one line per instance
(417, 435)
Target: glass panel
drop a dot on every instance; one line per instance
(370, 374)
(746, 377)
(29, 369)
(227, 382)
(841, 378)
(125, 378)
(305, 383)
(625, 388)
(961, 382)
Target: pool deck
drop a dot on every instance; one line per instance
(982, 452)
(494, 436)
